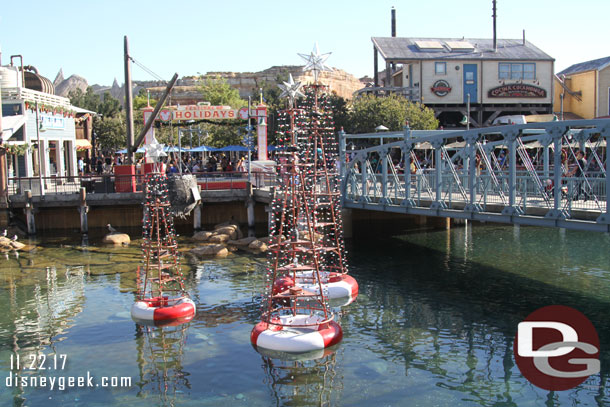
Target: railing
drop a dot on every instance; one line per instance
(485, 174)
(34, 96)
(112, 183)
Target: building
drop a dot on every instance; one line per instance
(583, 90)
(33, 120)
(459, 76)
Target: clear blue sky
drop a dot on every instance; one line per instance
(188, 36)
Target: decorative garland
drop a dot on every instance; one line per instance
(66, 112)
(16, 149)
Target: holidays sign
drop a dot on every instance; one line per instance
(197, 112)
(517, 90)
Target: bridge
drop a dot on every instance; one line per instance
(526, 174)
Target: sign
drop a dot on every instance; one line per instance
(517, 90)
(52, 122)
(441, 88)
(563, 336)
(198, 112)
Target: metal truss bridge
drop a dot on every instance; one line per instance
(527, 174)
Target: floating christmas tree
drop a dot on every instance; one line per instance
(161, 296)
(307, 255)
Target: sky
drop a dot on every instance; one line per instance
(191, 37)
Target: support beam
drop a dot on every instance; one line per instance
(29, 213)
(129, 105)
(83, 209)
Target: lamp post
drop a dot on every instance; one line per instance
(38, 125)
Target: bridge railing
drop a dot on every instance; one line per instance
(525, 174)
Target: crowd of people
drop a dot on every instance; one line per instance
(191, 163)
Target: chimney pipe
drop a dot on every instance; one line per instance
(494, 20)
(393, 22)
(523, 37)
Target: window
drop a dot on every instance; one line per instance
(516, 71)
(440, 68)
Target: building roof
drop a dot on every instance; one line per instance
(594, 65)
(401, 48)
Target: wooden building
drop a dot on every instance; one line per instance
(493, 77)
(583, 90)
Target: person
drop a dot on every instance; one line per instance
(99, 167)
(81, 166)
(579, 173)
(196, 168)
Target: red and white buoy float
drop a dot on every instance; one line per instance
(296, 334)
(163, 309)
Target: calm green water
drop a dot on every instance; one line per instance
(433, 325)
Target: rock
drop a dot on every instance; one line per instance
(258, 246)
(230, 223)
(230, 231)
(202, 236)
(17, 245)
(7, 244)
(216, 250)
(117, 239)
(242, 242)
(218, 238)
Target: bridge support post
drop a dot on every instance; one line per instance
(250, 209)
(512, 209)
(197, 213)
(384, 177)
(29, 213)
(83, 209)
(472, 205)
(604, 218)
(438, 185)
(406, 152)
(556, 134)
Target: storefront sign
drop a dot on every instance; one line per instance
(441, 88)
(517, 90)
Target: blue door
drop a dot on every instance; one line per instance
(470, 82)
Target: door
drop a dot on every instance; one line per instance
(470, 83)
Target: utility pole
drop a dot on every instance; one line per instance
(129, 106)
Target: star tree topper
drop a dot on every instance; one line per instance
(315, 61)
(291, 90)
(154, 150)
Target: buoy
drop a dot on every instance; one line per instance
(161, 310)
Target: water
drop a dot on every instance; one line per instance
(433, 324)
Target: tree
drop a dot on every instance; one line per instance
(86, 100)
(370, 111)
(217, 91)
(110, 133)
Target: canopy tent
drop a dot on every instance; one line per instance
(82, 144)
(231, 148)
(139, 150)
(201, 149)
(174, 149)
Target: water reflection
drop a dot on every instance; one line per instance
(303, 380)
(160, 352)
(38, 317)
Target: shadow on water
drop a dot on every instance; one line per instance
(456, 317)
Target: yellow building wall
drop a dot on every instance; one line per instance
(585, 83)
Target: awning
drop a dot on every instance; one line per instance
(10, 125)
(82, 144)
